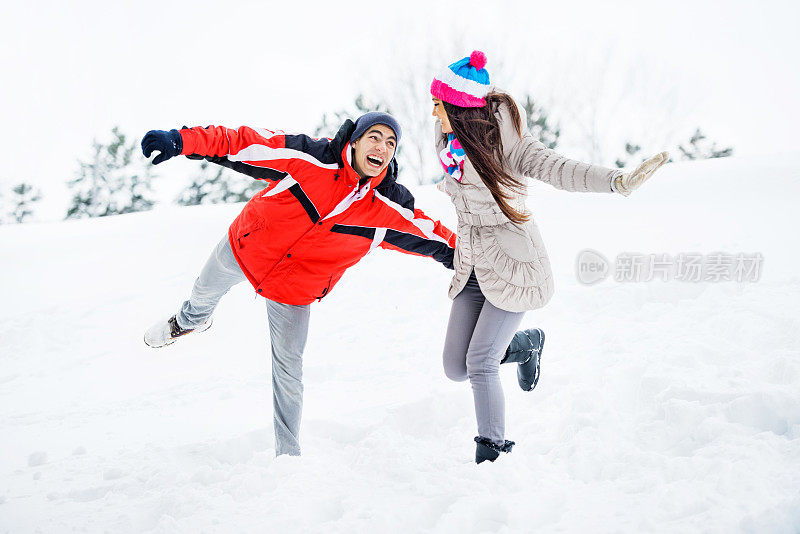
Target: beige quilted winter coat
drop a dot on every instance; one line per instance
(509, 259)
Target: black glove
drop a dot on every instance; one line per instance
(168, 143)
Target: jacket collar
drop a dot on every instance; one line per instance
(352, 177)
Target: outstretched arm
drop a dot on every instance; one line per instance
(403, 227)
(257, 152)
(532, 158)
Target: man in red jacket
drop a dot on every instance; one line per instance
(326, 204)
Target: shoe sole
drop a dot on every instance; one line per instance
(539, 350)
(169, 342)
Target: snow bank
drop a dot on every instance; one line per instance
(663, 406)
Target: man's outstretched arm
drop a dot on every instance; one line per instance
(257, 152)
(409, 230)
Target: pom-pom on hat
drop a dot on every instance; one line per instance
(465, 83)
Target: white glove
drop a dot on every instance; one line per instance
(625, 183)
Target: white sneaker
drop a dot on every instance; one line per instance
(165, 333)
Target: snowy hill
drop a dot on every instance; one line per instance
(663, 406)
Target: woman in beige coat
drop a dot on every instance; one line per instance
(501, 266)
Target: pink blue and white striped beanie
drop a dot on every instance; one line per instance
(465, 83)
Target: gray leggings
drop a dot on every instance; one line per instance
(288, 330)
(478, 334)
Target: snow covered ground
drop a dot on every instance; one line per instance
(663, 406)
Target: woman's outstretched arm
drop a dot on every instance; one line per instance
(533, 159)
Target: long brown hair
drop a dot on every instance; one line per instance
(479, 134)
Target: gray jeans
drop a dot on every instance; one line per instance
(288, 331)
(478, 334)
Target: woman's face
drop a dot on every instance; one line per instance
(441, 114)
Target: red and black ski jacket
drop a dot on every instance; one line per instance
(295, 239)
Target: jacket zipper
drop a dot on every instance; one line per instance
(325, 291)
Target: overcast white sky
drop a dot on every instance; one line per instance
(72, 70)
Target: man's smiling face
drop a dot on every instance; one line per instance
(374, 150)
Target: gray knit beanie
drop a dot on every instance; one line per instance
(371, 119)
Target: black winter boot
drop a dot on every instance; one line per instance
(526, 350)
(486, 450)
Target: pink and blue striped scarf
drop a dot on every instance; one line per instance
(452, 157)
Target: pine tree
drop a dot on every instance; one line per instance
(630, 151)
(218, 186)
(18, 208)
(537, 123)
(24, 195)
(331, 122)
(698, 148)
(113, 182)
(5, 216)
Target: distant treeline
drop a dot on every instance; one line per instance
(117, 179)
